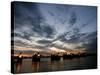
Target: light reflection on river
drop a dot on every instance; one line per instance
(46, 65)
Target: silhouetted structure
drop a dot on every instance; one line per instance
(55, 57)
(70, 56)
(19, 58)
(36, 57)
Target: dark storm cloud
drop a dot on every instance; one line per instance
(70, 39)
(44, 30)
(21, 43)
(48, 31)
(73, 19)
(84, 24)
(24, 36)
(30, 16)
(77, 38)
(88, 37)
(60, 37)
(58, 12)
(72, 36)
(27, 35)
(44, 41)
(89, 42)
(44, 26)
(91, 47)
(26, 12)
(26, 15)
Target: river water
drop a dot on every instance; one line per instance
(46, 65)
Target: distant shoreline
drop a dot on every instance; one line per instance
(25, 57)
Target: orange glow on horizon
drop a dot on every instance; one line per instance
(53, 49)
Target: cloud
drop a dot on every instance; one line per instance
(91, 47)
(44, 41)
(73, 19)
(43, 26)
(43, 30)
(59, 46)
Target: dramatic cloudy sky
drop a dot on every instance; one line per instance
(55, 26)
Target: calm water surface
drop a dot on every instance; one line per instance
(46, 65)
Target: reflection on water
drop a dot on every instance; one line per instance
(18, 67)
(46, 64)
(35, 66)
